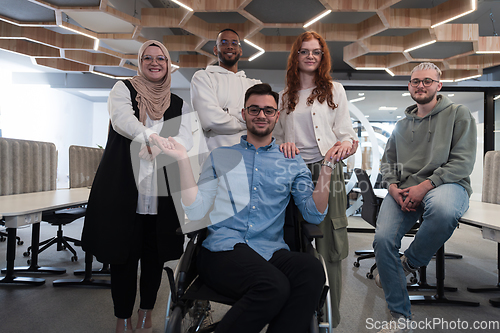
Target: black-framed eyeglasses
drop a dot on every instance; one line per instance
(315, 52)
(254, 110)
(427, 82)
(159, 59)
(227, 43)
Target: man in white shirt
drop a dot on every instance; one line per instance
(217, 94)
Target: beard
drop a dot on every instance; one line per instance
(261, 132)
(227, 62)
(423, 100)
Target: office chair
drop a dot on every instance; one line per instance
(3, 235)
(83, 163)
(369, 213)
(188, 308)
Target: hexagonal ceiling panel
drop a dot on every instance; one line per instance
(85, 35)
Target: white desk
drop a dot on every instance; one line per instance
(487, 217)
(27, 208)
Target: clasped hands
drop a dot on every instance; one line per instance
(160, 144)
(409, 198)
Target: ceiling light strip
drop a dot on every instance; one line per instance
(111, 76)
(487, 52)
(469, 77)
(473, 3)
(419, 46)
(389, 71)
(261, 50)
(76, 31)
(182, 5)
(496, 97)
(371, 68)
(317, 18)
(357, 99)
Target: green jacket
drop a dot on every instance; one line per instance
(440, 146)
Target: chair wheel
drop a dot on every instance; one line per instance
(413, 280)
(29, 262)
(3, 239)
(20, 242)
(356, 264)
(74, 258)
(26, 254)
(369, 275)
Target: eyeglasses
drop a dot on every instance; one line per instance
(305, 52)
(254, 110)
(427, 82)
(149, 59)
(226, 43)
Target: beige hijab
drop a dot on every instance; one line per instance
(153, 98)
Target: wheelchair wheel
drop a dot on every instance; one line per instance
(196, 317)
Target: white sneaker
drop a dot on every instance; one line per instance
(395, 328)
(406, 267)
(398, 324)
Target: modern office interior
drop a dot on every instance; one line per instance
(59, 59)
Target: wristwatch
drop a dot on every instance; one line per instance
(328, 164)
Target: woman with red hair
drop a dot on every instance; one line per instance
(314, 116)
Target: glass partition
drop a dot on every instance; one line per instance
(382, 109)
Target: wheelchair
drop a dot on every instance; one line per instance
(189, 303)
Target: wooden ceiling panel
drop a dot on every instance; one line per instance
(375, 29)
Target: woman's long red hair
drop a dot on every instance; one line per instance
(322, 78)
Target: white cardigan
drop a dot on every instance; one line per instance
(329, 125)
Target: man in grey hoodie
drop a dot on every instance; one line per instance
(426, 167)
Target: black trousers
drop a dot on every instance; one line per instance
(124, 276)
(283, 291)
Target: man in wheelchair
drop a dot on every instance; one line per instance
(244, 255)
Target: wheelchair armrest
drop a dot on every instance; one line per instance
(311, 231)
(189, 235)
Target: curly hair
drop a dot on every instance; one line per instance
(322, 78)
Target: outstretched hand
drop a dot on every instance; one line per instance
(146, 155)
(172, 148)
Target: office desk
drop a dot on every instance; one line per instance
(486, 216)
(27, 208)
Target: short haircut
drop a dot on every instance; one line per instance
(425, 66)
(261, 89)
(228, 30)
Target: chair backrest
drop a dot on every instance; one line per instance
(491, 177)
(83, 163)
(369, 210)
(27, 166)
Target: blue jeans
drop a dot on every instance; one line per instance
(441, 208)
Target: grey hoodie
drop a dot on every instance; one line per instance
(440, 146)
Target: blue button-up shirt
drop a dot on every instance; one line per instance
(250, 189)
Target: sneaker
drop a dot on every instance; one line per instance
(398, 324)
(406, 267)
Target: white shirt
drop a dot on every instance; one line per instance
(329, 125)
(125, 123)
(218, 96)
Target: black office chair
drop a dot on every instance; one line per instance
(4, 235)
(369, 213)
(59, 218)
(83, 163)
(189, 308)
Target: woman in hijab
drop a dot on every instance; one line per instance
(131, 215)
